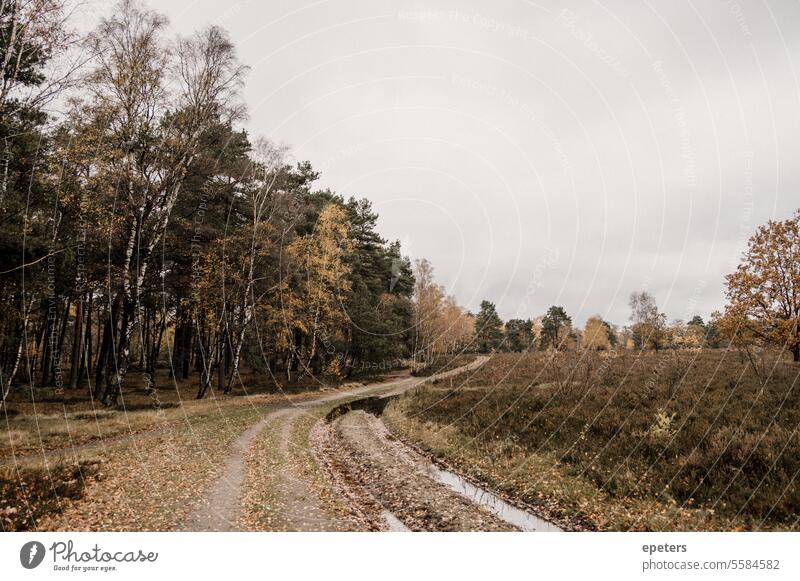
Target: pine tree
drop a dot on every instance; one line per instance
(488, 328)
(519, 335)
(556, 327)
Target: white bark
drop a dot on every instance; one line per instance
(6, 385)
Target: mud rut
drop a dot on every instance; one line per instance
(385, 484)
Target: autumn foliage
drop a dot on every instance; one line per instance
(764, 291)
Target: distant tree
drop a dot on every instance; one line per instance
(649, 326)
(625, 338)
(519, 335)
(574, 340)
(712, 337)
(764, 292)
(556, 328)
(695, 332)
(613, 333)
(459, 328)
(536, 328)
(683, 336)
(597, 334)
(488, 328)
(440, 325)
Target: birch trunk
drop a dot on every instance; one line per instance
(6, 385)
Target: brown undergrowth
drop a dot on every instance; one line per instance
(694, 440)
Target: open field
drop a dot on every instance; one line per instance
(693, 440)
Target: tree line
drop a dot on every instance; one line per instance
(762, 311)
(648, 329)
(142, 225)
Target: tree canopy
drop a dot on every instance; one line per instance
(764, 292)
(488, 328)
(556, 326)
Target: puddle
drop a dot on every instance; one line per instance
(521, 519)
(395, 524)
(374, 405)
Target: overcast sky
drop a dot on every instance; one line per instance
(538, 153)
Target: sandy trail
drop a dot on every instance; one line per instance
(398, 481)
(221, 507)
(300, 506)
(219, 511)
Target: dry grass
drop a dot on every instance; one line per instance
(692, 440)
(73, 419)
(445, 363)
(152, 482)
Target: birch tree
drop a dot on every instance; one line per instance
(263, 202)
(155, 131)
(32, 33)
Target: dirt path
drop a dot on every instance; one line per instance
(219, 511)
(398, 481)
(298, 497)
(300, 506)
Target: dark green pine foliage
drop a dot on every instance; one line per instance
(612, 335)
(488, 328)
(207, 209)
(555, 327)
(379, 302)
(23, 191)
(30, 216)
(519, 335)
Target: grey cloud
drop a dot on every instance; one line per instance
(644, 141)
